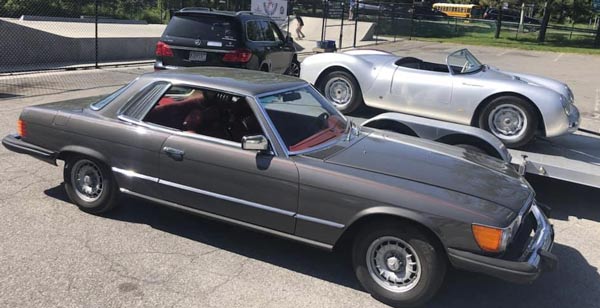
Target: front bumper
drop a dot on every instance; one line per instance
(16, 144)
(535, 258)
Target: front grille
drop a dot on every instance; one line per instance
(522, 239)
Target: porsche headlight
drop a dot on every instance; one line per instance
(566, 104)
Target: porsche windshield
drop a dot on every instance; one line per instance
(463, 62)
(303, 118)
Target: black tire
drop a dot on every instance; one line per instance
(432, 262)
(293, 69)
(346, 79)
(521, 106)
(108, 193)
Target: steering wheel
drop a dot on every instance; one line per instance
(322, 120)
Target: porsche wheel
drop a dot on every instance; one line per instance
(342, 89)
(398, 264)
(89, 184)
(511, 119)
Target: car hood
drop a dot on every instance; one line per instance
(437, 164)
(532, 80)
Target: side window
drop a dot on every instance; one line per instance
(205, 112)
(143, 101)
(276, 34)
(255, 31)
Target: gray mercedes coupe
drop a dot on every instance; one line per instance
(269, 153)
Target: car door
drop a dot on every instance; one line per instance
(421, 92)
(132, 146)
(211, 173)
(285, 49)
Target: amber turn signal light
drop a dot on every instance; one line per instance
(488, 238)
(21, 128)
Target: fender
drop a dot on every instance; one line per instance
(77, 149)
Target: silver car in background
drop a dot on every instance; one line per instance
(513, 107)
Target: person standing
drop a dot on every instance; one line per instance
(299, 25)
(351, 9)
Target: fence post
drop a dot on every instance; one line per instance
(342, 24)
(394, 21)
(412, 21)
(355, 16)
(378, 23)
(96, 33)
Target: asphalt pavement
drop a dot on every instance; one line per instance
(144, 255)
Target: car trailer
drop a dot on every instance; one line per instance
(573, 158)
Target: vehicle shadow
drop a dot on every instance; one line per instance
(575, 283)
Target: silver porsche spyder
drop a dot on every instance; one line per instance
(514, 107)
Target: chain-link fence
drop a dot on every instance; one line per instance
(50, 34)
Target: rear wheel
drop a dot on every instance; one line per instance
(398, 264)
(294, 69)
(512, 119)
(342, 89)
(89, 184)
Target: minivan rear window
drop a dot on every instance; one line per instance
(204, 27)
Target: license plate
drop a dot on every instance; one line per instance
(197, 56)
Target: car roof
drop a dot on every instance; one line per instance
(235, 80)
(243, 15)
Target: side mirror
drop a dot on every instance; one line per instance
(255, 143)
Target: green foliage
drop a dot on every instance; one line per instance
(153, 11)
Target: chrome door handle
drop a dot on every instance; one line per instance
(175, 154)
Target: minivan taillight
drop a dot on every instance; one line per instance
(21, 128)
(239, 55)
(163, 50)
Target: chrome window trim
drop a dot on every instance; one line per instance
(227, 198)
(120, 91)
(320, 221)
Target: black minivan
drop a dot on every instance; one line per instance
(205, 37)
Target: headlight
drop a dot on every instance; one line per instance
(566, 104)
(492, 239)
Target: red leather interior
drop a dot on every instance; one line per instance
(334, 129)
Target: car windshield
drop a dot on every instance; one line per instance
(303, 118)
(463, 62)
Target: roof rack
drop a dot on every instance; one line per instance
(199, 8)
(249, 13)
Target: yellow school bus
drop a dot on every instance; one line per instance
(459, 10)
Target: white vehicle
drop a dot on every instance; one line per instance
(513, 107)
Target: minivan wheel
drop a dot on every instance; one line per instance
(342, 89)
(398, 264)
(89, 184)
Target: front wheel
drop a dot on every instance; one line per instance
(342, 89)
(511, 119)
(89, 184)
(398, 264)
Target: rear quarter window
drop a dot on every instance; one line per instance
(204, 27)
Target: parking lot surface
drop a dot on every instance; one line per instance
(144, 255)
